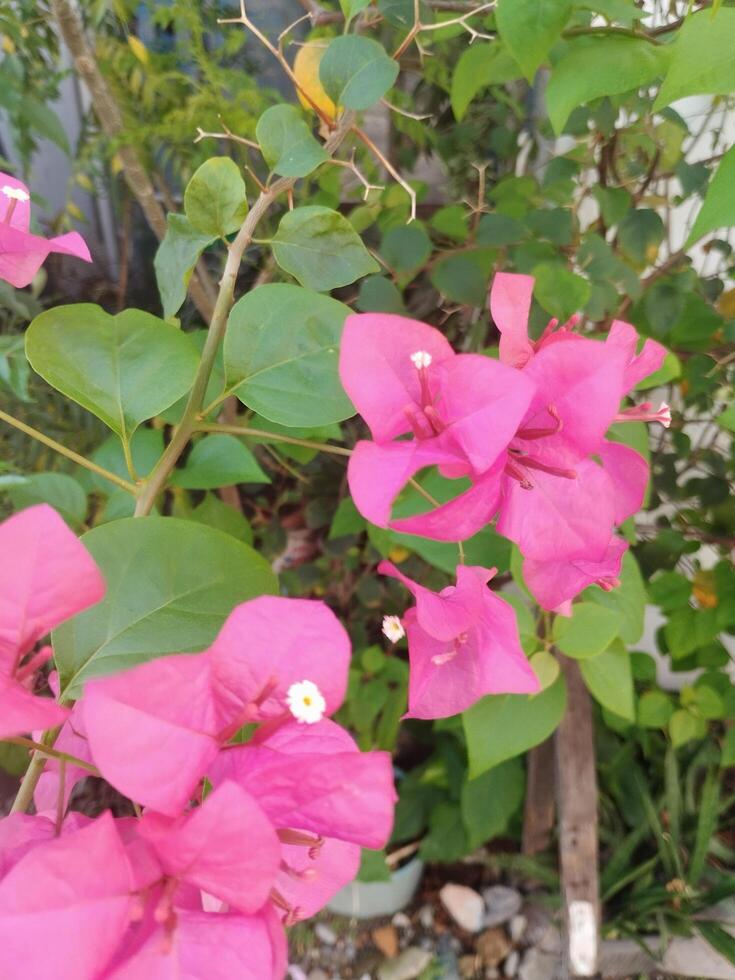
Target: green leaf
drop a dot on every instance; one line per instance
(406, 248)
(146, 447)
(718, 209)
(281, 355)
(640, 233)
(685, 727)
(14, 370)
(717, 936)
(628, 600)
(728, 748)
(655, 709)
(726, 419)
(480, 66)
(529, 28)
(593, 67)
(379, 295)
(499, 229)
(373, 866)
(610, 681)
(587, 632)
(356, 71)
(460, 279)
(215, 199)
(170, 586)
(451, 220)
(347, 520)
(702, 62)
(45, 121)
(218, 461)
(175, 259)
(321, 249)
(490, 801)
(217, 514)
(560, 291)
(502, 726)
(287, 143)
(446, 839)
(62, 492)
(352, 7)
(112, 365)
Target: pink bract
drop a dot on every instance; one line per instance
(403, 377)
(65, 905)
(326, 798)
(154, 730)
(21, 253)
(463, 643)
(46, 576)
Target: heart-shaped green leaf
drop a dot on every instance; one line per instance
(112, 365)
(287, 143)
(215, 199)
(281, 355)
(356, 71)
(219, 461)
(170, 586)
(321, 249)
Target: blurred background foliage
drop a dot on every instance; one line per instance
(585, 177)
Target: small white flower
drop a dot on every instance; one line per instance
(306, 702)
(664, 415)
(393, 628)
(421, 359)
(16, 193)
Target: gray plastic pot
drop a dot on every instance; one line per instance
(371, 899)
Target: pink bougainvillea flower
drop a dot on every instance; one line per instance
(21, 253)
(622, 477)
(326, 798)
(65, 905)
(404, 378)
(154, 730)
(218, 946)
(554, 583)
(553, 501)
(463, 643)
(46, 576)
(226, 847)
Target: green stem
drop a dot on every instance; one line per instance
(53, 753)
(33, 773)
(69, 453)
(156, 482)
(244, 430)
(610, 29)
(128, 458)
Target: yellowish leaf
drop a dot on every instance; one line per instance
(306, 72)
(138, 48)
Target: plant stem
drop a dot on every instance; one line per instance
(53, 753)
(69, 453)
(33, 773)
(244, 430)
(225, 298)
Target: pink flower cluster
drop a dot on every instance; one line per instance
(21, 253)
(528, 433)
(233, 839)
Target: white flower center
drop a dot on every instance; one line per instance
(16, 193)
(421, 359)
(664, 415)
(306, 702)
(393, 628)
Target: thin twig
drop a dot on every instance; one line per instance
(389, 167)
(69, 453)
(280, 58)
(227, 135)
(244, 430)
(218, 324)
(51, 753)
(351, 165)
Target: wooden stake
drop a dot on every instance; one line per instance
(576, 786)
